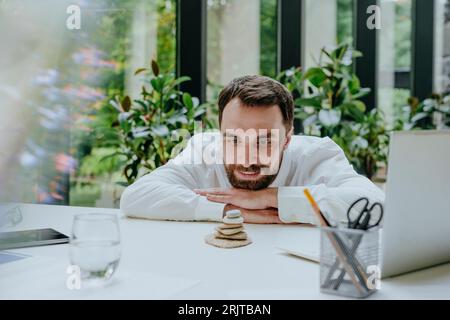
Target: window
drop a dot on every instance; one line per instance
(59, 79)
(241, 39)
(394, 57)
(336, 26)
(344, 21)
(442, 47)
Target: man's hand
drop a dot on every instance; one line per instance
(243, 198)
(260, 216)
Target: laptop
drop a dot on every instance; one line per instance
(416, 224)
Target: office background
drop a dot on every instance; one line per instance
(62, 139)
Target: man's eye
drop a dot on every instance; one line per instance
(264, 142)
(233, 140)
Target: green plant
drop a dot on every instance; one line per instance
(327, 100)
(150, 130)
(431, 113)
(366, 142)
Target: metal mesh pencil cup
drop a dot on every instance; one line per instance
(349, 261)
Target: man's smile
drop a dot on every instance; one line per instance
(247, 174)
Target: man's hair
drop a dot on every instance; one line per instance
(258, 91)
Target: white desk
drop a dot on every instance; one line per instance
(177, 249)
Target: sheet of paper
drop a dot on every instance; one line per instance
(307, 254)
(303, 242)
(47, 278)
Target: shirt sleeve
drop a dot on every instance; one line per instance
(333, 183)
(166, 193)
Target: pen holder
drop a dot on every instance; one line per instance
(349, 262)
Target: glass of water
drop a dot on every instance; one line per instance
(95, 246)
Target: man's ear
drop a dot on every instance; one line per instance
(288, 138)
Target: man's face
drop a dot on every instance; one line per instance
(254, 138)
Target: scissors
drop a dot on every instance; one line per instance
(361, 216)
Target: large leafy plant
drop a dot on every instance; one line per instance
(327, 99)
(148, 131)
(332, 92)
(431, 113)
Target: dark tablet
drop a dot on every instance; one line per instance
(31, 238)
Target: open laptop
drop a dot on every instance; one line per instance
(416, 226)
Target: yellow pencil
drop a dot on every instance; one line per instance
(322, 220)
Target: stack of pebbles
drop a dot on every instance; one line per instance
(231, 233)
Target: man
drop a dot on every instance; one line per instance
(255, 164)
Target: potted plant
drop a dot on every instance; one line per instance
(146, 132)
(327, 100)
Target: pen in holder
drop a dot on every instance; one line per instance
(353, 269)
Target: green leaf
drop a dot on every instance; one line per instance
(309, 102)
(199, 112)
(116, 105)
(155, 68)
(329, 117)
(160, 130)
(115, 154)
(156, 84)
(354, 84)
(140, 70)
(126, 103)
(353, 110)
(177, 118)
(419, 116)
(180, 80)
(361, 93)
(143, 104)
(360, 105)
(187, 100)
(140, 132)
(356, 54)
(315, 75)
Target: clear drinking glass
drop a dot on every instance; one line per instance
(95, 245)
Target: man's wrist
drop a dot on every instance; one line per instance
(272, 198)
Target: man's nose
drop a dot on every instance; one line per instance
(251, 155)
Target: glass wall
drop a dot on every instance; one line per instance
(62, 62)
(442, 47)
(241, 39)
(394, 56)
(336, 26)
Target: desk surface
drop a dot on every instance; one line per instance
(258, 271)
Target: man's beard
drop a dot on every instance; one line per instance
(262, 182)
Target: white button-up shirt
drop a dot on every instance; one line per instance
(316, 163)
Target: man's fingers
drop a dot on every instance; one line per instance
(218, 191)
(218, 198)
(200, 192)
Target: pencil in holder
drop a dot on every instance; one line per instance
(349, 262)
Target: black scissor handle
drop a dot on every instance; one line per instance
(372, 212)
(354, 221)
(365, 214)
